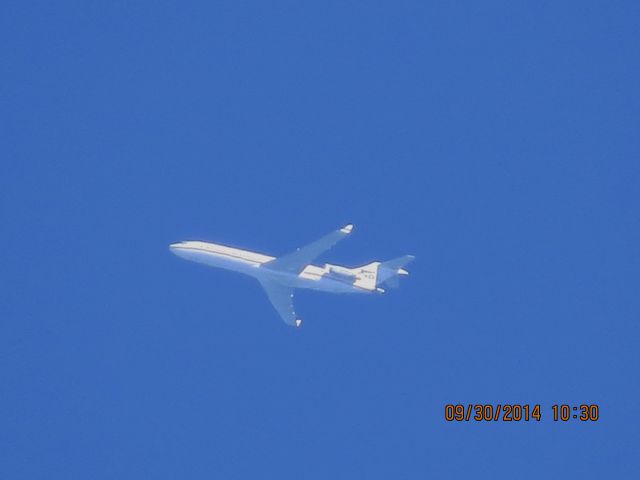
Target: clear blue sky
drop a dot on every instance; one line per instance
(497, 142)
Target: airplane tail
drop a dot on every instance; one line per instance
(377, 274)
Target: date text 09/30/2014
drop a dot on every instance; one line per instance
(517, 412)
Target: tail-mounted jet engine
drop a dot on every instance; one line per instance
(340, 273)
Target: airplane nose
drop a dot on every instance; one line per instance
(181, 249)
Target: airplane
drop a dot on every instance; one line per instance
(280, 276)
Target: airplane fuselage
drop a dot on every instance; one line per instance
(250, 263)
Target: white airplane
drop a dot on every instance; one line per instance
(280, 276)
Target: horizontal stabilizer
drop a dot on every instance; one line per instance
(398, 263)
(392, 282)
(388, 271)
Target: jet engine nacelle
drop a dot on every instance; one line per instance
(340, 273)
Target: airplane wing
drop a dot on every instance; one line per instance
(295, 262)
(282, 299)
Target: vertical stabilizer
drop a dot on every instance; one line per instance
(367, 276)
